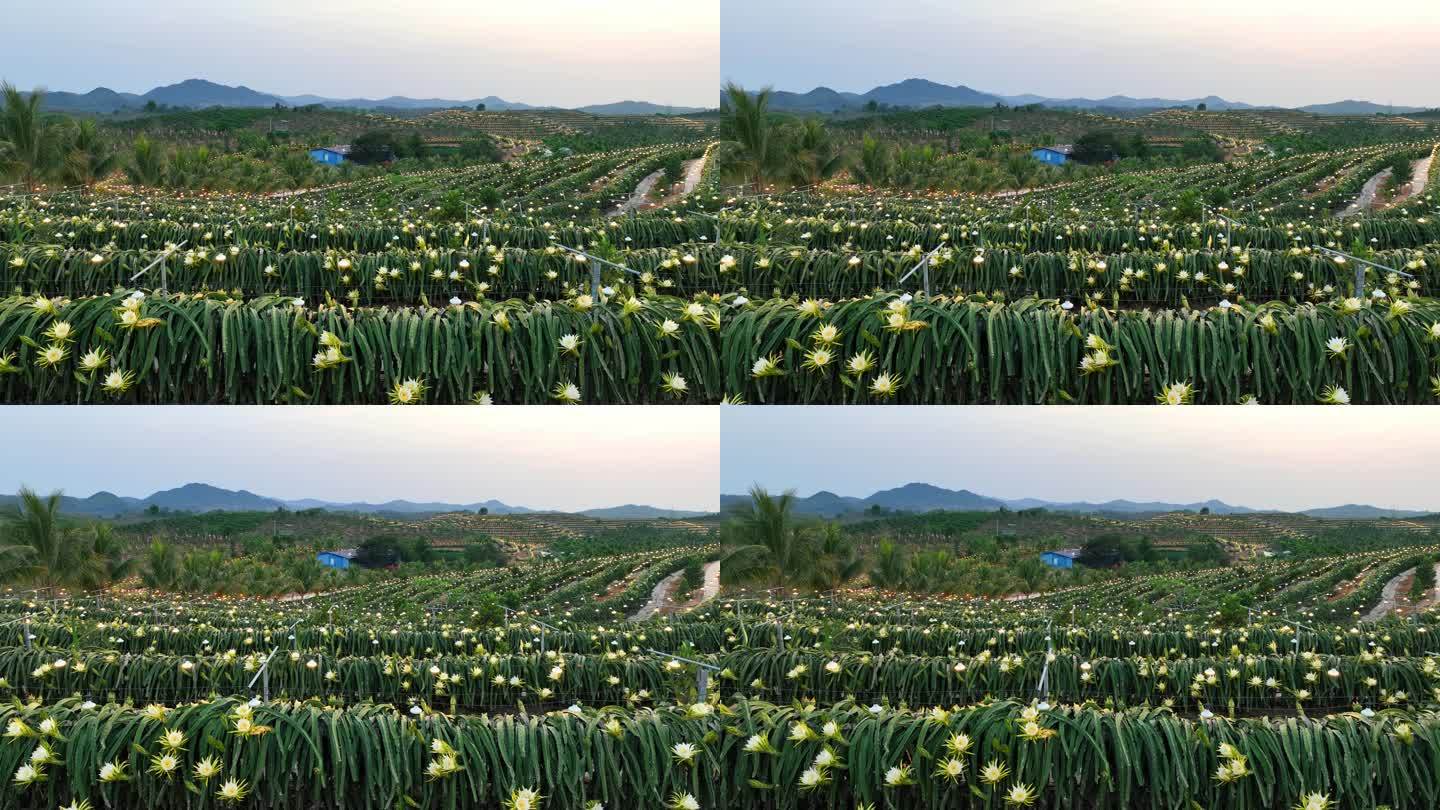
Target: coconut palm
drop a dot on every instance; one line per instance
(812, 155)
(891, 568)
(766, 541)
(873, 167)
(28, 147)
(88, 159)
(37, 549)
(147, 163)
(752, 152)
(162, 566)
(836, 559)
(103, 558)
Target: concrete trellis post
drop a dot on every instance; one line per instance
(924, 268)
(1360, 265)
(264, 675)
(595, 262)
(702, 672)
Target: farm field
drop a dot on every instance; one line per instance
(441, 286)
(1250, 682)
(1260, 279)
(1297, 278)
(454, 285)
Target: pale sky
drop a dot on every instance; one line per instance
(1290, 458)
(559, 52)
(1264, 52)
(551, 458)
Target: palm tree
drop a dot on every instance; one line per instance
(88, 159)
(162, 567)
(891, 567)
(27, 150)
(766, 541)
(39, 550)
(147, 163)
(873, 168)
(104, 561)
(751, 151)
(836, 560)
(812, 154)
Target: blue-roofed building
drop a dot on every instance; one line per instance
(1053, 155)
(337, 559)
(1062, 558)
(330, 155)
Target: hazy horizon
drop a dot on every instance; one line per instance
(547, 458)
(1289, 53)
(1289, 459)
(567, 53)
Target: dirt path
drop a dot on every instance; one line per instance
(709, 587)
(658, 596)
(693, 171)
(662, 597)
(1405, 606)
(1367, 195)
(1421, 181)
(1388, 596)
(641, 196)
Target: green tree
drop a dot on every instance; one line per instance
(378, 551)
(38, 549)
(88, 159)
(873, 167)
(29, 150)
(836, 561)
(162, 566)
(373, 147)
(764, 540)
(812, 155)
(750, 151)
(104, 558)
(890, 568)
(147, 163)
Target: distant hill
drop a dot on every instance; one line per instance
(631, 511)
(637, 108)
(201, 94)
(1351, 107)
(928, 498)
(101, 504)
(1353, 511)
(205, 498)
(919, 93)
(925, 93)
(1127, 103)
(492, 103)
(1146, 507)
(408, 507)
(200, 498)
(821, 99)
(198, 94)
(99, 100)
(908, 498)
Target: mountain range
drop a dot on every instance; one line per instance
(918, 93)
(200, 94)
(200, 498)
(928, 498)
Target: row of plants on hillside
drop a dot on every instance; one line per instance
(704, 755)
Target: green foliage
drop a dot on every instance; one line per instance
(38, 547)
